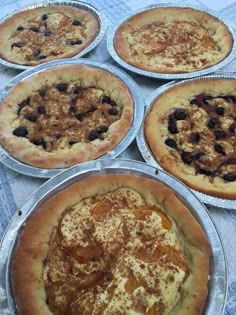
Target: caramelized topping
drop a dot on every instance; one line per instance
(114, 254)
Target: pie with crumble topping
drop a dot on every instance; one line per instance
(191, 129)
(46, 33)
(111, 244)
(65, 115)
(173, 40)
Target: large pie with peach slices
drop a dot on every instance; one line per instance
(190, 130)
(65, 115)
(173, 40)
(111, 244)
(46, 33)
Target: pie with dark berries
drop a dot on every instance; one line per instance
(46, 33)
(111, 244)
(173, 40)
(65, 115)
(191, 132)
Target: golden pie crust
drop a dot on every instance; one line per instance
(111, 244)
(173, 40)
(47, 33)
(190, 129)
(65, 115)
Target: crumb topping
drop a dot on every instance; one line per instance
(182, 44)
(65, 114)
(201, 133)
(114, 254)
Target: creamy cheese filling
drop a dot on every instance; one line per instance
(114, 254)
(181, 45)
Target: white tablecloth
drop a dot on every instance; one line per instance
(16, 188)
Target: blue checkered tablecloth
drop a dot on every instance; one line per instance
(16, 188)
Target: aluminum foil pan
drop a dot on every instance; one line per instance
(185, 4)
(77, 4)
(20, 167)
(149, 157)
(218, 277)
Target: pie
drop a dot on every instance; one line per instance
(46, 33)
(111, 244)
(65, 115)
(172, 40)
(190, 130)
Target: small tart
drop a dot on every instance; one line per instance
(191, 132)
(173, 40)
(65, 115)
(111, 244)
(46, 33)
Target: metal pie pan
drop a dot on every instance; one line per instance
(148, 156)
(77, 4)
(25, 169)
(218, 277)
(171, 76)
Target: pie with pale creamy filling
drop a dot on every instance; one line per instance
(173, 40)
(111, 244)
(65, 115)
(42, 34)
(191, 129)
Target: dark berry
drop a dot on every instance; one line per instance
(44, 17)
(42, 92)
(77, 89)
(205, 172)
(198, 155)
(18, 45)
(31, 117)
(91, 109)
(20, 28)
(229, 98)
(180, 114)
(80, 116)
(212, 122)
(186, 157)
(206, 98)
(93, 135)
(171, 143)
(62, 87)
(58, 135)
(112, 111)
(232, 127)
(102, 129)
(76, 22)
(42, 56)
(72, 109)
(172, 127)
(107, 100)
(229, 177)
(195, 102)
(195, 137)
(48, 33)
(219, 134)
(71, 142)
(38, 141)
(76, 42)
(220, 111)
(34, 29)
(20, 132)
(41, 109)
(219, 149)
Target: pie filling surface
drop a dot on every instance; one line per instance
(58, 116)
(113, 254)
(43, 34)
(203, 135)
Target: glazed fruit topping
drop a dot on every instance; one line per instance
(20, 28)
(93, 135)
(44, 17)
(231, 177)
(107, 100)
(187, 157)
(76, 22)
(62, 87)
